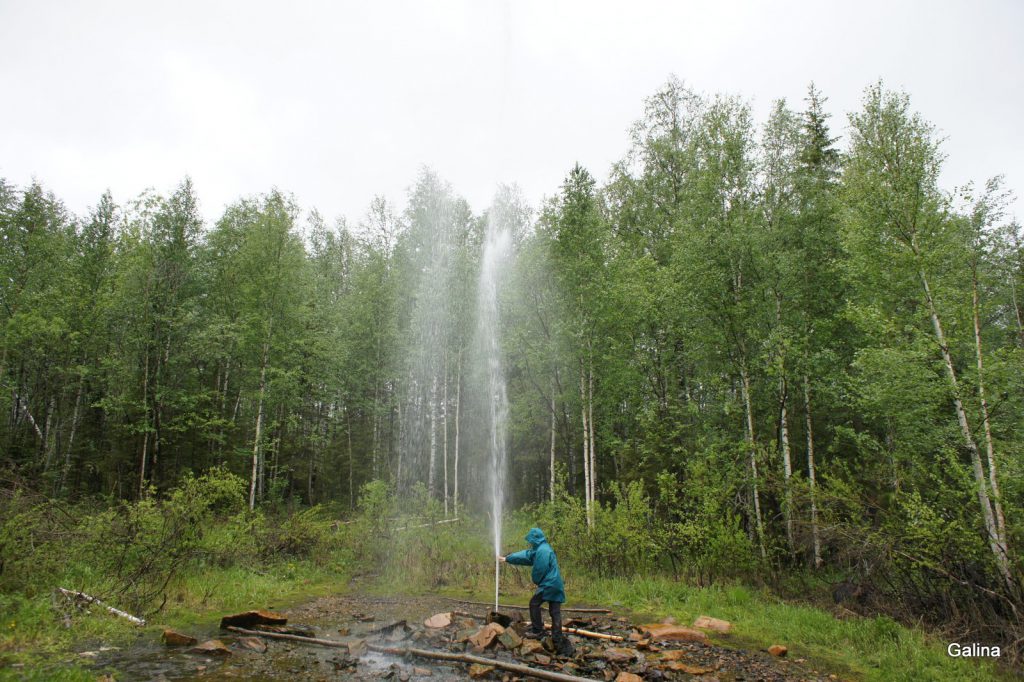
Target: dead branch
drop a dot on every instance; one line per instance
(479, 660)
(82, 596)
(423, 653)
(294, 638)
(588, 633)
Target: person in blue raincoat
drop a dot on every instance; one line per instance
(550, 588)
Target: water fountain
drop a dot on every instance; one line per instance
(496, 252)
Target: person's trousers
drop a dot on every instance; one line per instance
(537, 621)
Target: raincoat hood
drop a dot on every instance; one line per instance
(535, 537)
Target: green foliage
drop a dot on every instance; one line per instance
(132, 553)
(775, 352)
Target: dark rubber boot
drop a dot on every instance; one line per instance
(533, 634)
(564, 648)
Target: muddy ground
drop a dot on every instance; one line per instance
(349, 619)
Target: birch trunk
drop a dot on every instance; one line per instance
(71, 437)
(551, 485)
(753, 459)
(979, 473)
(375, 444)
(431, 487)
(444, 427)
(312, 453)
(259, 428)
(22, 407)
(224, 386)
(989, 446)
(810, 472)
(593, 444)
(586, 445)
(375, 449)
(458, 394)
(1016, 310)
(351, 485)
(401, 442)
(145, 432)
(48, 436)
(787, 465)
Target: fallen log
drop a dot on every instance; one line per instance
(423, 653)
(82, 596)
(522, 608)
(293, 638)
(588, 633)
(479, 660)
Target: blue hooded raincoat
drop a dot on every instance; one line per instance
(545, 566)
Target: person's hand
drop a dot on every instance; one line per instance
(501, 558)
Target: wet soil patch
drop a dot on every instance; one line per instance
(353, 622)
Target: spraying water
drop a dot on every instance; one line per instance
(497, 248)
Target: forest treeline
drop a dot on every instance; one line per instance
(751, 340)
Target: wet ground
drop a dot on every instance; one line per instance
(351, 619)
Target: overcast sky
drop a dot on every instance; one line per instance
(340, 101)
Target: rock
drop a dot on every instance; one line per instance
(464, 634)
(628, 677)
(363, 618)
(510, 639)
(175, 638)
(253, 644)
(635, 636)
(422, 672)
(398, 634)
(542, 659)
(390, 628)
(778, 650)
(357, 648)
(344, 632)
(477, 671)
(250, 618)
(675, 633)
(679, 666)
(499, 618)
(672, 655)
(619, 654)
(709, 623)
(485, 636)
(211, 647)
(530, 646)
(438, 620)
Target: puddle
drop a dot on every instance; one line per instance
(149, 659)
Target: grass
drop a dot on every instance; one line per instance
(458, 562)
(861, 648)
(870, 649)
(35, 645)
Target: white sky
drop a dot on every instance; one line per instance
(340, 101)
